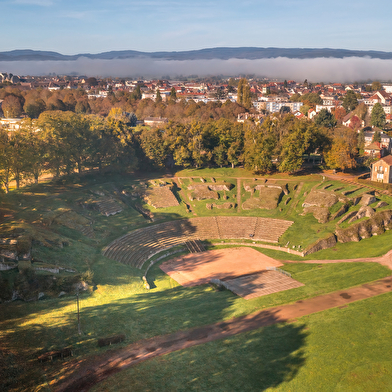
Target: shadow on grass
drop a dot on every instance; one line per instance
(258, 359)
(253, 361)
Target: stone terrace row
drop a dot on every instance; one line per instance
(136, 247)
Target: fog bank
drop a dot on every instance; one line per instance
(344, 70)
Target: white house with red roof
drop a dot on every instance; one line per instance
(352, 121)
(380, 97)
(299, 115)
(311, 113)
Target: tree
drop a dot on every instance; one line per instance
(69, 101)
(234, 153)
(369, 160)
(240, 91)
(304, 109)
(343, 150)
(34, 149)
(158, 97)
(131, 119)
(295, 97)
(220, 93)
(12, 106)
(5, 158)
(196, 146)
(284, 110)
(92, 82)
(104, 146)
(137, 93)
(325, 119)
(376, 86)
(311, 99)
(243, 94)
(18, 154)
(220, 155)
(246, 98)
(55, 103)
(152, 144)
(378, 116)
(34, 107)
(82, 106)
(119, 128)
(233, 82)
(69, 141)
(376, 136)
(361, 140)
(339, 114)
(355, 122)
(350, 101)
(173, 95)
(294, 145)
(259, 144)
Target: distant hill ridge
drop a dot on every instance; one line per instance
(250, 53)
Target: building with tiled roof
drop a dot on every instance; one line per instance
(382, 170)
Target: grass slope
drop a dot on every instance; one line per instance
(121, 305)
(321, 352)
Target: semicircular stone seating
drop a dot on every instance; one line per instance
(136, 247)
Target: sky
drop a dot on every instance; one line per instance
(95, 26)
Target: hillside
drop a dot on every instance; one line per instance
(250, 53)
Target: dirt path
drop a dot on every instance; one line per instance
(383, 260)
(91, 372)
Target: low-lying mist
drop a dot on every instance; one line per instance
(344, 70)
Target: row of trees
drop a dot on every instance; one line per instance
(281, 141)
(34, 102)
(65, 142)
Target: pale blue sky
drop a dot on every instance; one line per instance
(94, 26)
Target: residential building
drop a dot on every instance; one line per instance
(374, 150)
(311, 114)
(12, 124)
(155, 121)
(275, 106)
(386, 142)
(381, 170)
(257, 118)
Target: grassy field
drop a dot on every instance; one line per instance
(123, 306)
(336, 350)
(119, 303)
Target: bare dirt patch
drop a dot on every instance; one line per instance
(196, 269)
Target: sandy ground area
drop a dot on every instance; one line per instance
(199, 268)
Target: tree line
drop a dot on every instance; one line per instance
(65, 142)
(18, 102)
